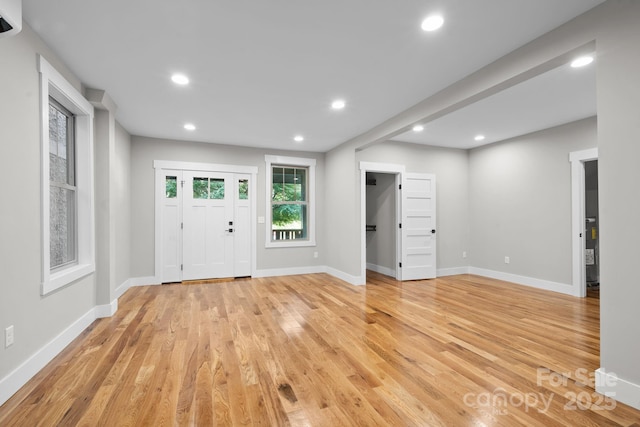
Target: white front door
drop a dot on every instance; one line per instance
(418, 226)
(205, 220)
(208, 219)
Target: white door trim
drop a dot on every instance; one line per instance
(577, 159)
(389, 168)
(163, 165)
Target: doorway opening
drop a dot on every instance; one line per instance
(585, 222)
(381, 220)
(415, 222)
(592, 229)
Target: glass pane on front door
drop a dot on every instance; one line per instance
(216, 189)
(200, 188)
(243, 189)
(171, 187)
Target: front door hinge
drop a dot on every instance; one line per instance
(400, 187)
(400, 264)
(181, 183)
(182, 226)
(181, 267)
(400, 225)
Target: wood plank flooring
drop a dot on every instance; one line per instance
(314, 351)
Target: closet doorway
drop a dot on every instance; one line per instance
(413, 238)
(381, 220)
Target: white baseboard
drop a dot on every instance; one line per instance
(23, 373)
(524, 280)
(382, 270)
(144, 281)
(451, 271)
(354, 280)
(106, 310)
(271, 272)
(120, 290)
(623, 391)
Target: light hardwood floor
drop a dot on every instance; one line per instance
(312, 350)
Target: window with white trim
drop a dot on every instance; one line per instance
(62, 187)
(67, 181)
(290, 201)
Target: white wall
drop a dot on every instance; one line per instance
(45, 324)
(520, 202)
(619, 151)
(145, 150)
(36, 319)
(121, 190)
(342, 215)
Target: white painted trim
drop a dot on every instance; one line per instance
(578, 273)
(382, 270)
(206, 167)
(144, 281)
(30, 367)
(311, 203)
(53, 84)
(106, 310)
(451, 271)
(623, 391)
(524, 280)
(365, 167)
(291, 271)
(354, 280)
(381, 167)
(290, 161)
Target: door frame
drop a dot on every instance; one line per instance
(578, 265)
(389, 168)
(162, 166)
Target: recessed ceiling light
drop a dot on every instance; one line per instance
(298, 138)
(190, 126)
(479, 137)
(432, 22)
(338, 104)
(180, 79)
(418, 128)
(582, 61)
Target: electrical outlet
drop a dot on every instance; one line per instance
(8, 336)
(507, 260)
(464, 254)
(315, 254)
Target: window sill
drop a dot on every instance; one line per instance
(62, 278)
(289, 244)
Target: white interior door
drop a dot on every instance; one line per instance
(170, 195)
(208, 217)
(418, 234)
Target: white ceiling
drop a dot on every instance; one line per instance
(264, 71)
(556, 97)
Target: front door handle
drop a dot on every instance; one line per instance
(231, 230)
